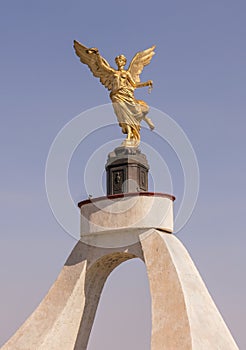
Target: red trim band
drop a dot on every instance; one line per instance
(122, 195)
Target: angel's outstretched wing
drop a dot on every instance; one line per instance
(140, 60)
(97, 64)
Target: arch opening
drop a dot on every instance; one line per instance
(123, 318)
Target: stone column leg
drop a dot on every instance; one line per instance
(55, 322)
(184, 316)
(65, 317)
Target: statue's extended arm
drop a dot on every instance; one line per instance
(139, 85)
(147, 83)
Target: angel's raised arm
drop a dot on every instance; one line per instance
(139, 85)
(97, 64)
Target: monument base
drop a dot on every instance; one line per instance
(127, 171)
(184, 316)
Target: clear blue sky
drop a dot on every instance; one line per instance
(199, 79)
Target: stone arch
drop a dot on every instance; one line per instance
(184, 316)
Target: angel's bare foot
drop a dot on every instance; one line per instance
(150, 123)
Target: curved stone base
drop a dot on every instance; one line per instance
(183, 313)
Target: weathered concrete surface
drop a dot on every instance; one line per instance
(47, 319)
(139, 211)
(64, 318)
(184, 315)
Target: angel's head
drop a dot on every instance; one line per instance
(120, 61)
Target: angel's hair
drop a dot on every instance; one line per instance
(122, 57)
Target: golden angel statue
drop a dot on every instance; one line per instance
(121, 83)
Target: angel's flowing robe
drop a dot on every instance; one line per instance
(128, 109)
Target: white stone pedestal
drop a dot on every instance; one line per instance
(113, 230)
